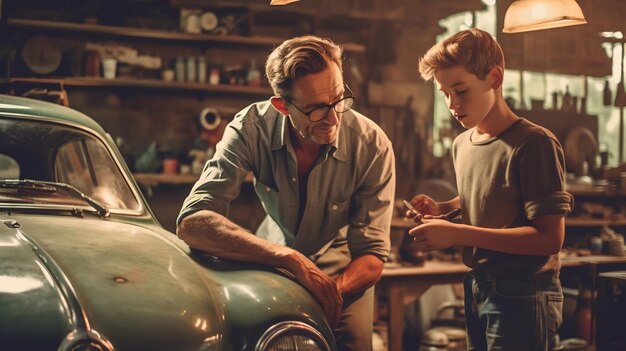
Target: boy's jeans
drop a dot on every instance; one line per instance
(512, 313)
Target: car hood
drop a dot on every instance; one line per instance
(118, 283)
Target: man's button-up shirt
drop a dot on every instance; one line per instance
(352, 183)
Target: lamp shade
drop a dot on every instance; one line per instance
(282, 2)
(529, 15)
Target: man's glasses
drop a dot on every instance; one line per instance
(319, 113)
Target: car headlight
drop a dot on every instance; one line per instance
(292, 335)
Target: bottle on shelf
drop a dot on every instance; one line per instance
(191, 69)
(567, 103)
(201, 69)
(180, 69)
(253, 77)
(555, 100)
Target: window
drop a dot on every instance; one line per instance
(86, 164)
(537, 86)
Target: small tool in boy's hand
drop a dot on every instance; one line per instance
(417, 217)
(447, 216)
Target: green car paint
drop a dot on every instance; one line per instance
(69, 276)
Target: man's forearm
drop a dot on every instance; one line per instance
(217, 235)
(362, 273)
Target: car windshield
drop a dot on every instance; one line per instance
(45, 151)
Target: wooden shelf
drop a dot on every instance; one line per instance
(297, 8)
(330, 12)
(336, 12)
(156, 179)
(141, 33)
(143, 83)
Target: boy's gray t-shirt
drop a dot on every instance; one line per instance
(505, 182)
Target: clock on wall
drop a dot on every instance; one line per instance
(42, 55)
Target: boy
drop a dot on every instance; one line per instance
(510, 176)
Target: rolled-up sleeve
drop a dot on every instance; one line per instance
(542, 178)
(222, 177)
(371, 208)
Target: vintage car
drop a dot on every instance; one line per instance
(84, 264)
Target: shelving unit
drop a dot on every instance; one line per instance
(130, 32)
(144, 83)
(140, 108)
(612, 198)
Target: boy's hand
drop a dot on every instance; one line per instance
(447, 216)
(424, 206)
(433, 234)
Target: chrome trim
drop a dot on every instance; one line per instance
(283, 327)
(81, 333)
(58, 207)
(131, 182)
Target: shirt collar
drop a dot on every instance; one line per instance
(338, 148)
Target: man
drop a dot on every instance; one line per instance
(319, 167)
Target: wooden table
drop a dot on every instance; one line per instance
(401, 285)
(592, 266)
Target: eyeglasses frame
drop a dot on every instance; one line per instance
(329, 106)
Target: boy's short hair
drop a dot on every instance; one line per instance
(298, 57)
(474, 49)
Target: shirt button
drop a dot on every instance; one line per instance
(334, 207)
(267, 188)
(293, 179)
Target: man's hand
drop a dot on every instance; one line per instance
(321, 286)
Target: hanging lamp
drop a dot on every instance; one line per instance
(529, 15)
(282, 2)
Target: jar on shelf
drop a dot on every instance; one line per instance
(214, 76)
(180, 69)
(92, 63)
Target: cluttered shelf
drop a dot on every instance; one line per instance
(333, 12)
(131, 32)
(332, 9)
(143, 83)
